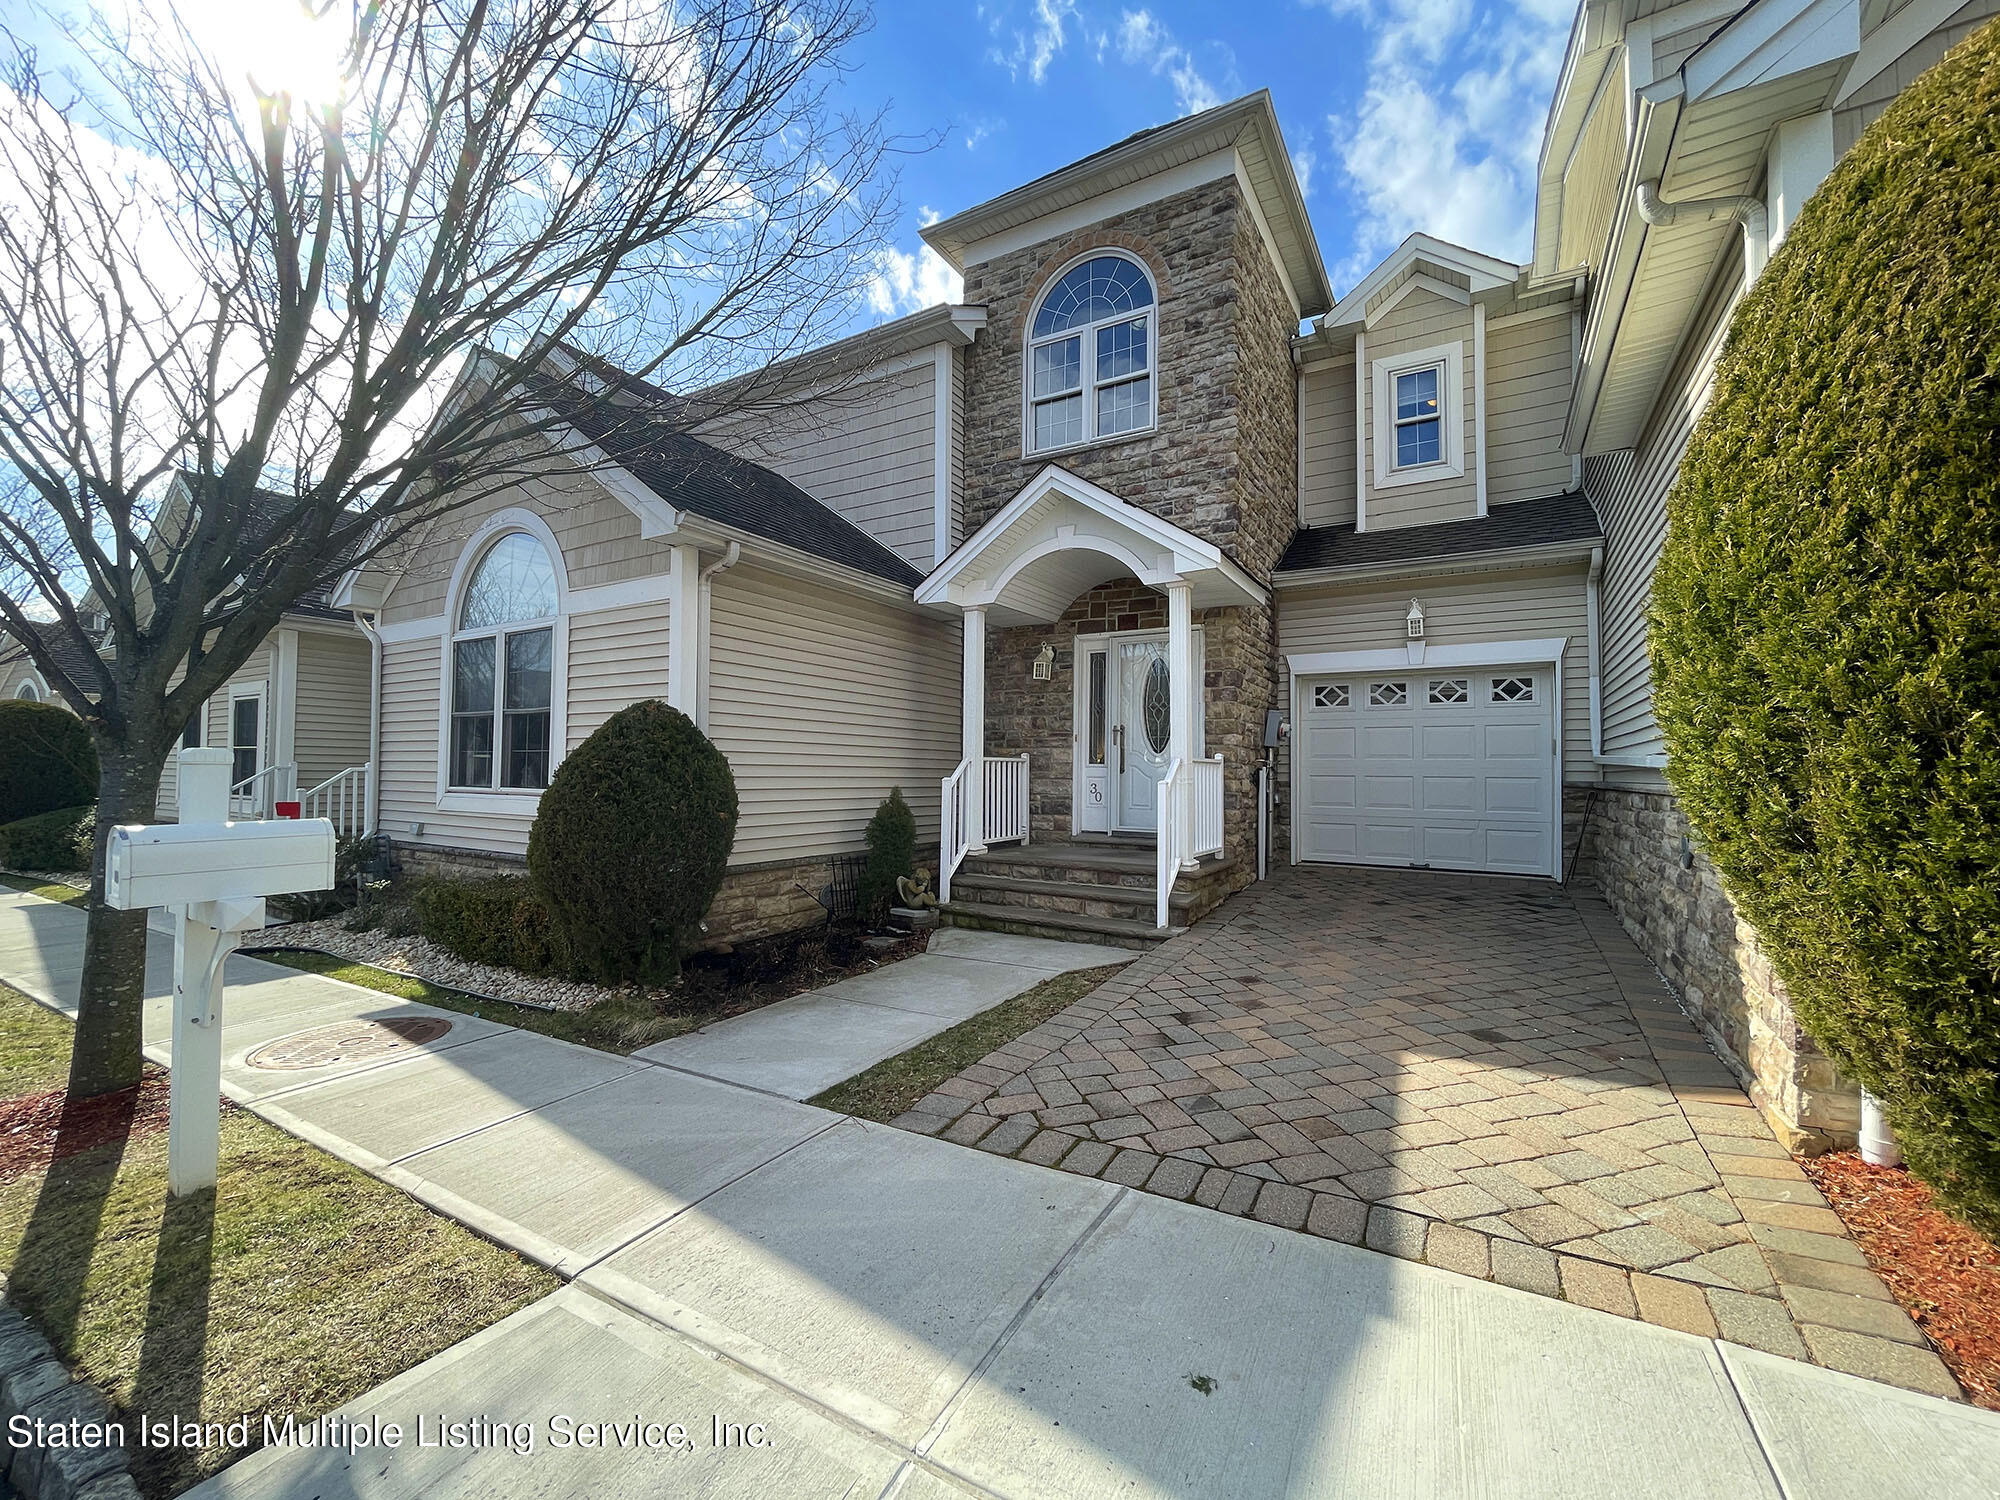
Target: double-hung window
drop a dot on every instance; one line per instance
(1091, 355)
(502, 669)
(1419, 416)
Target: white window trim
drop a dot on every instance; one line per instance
(1086, 334)
(261, 691)
(1451, 400)
(510, 801)
(28, 690)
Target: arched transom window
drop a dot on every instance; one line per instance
(502, 667)
(1090, 355)
(28, 691)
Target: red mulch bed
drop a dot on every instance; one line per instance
(34, 1130)
(1946, 1275)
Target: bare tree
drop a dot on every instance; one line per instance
(270, 294)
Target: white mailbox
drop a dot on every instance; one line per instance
(176, 864)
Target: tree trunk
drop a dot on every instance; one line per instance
(107, 1056)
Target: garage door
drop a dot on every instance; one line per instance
(1449, 770)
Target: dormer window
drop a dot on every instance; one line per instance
(1091, 355)
(1419, 419)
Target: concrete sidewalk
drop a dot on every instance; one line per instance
(909, 1318)
(804, 1045)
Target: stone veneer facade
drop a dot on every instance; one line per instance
(1670, 899)
(1220, 463)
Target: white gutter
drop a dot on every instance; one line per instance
(727, 560)
(1590, 605)
(1745, 210)
(374, 803)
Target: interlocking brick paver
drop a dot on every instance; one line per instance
(1459, 1070)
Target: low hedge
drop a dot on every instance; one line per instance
(54, 841)
(47, 760)
(498, 920)
(1826, 620)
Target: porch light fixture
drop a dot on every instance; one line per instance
(1415, 620)
(1045, 663)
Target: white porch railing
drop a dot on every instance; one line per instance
(951, 828)
(257, 796)
(1003, 802)
(342, 799)
(1167, 853)
(1006, 801)
(1207, 806)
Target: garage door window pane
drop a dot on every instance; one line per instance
(1513, 690)
(1388, 694)
(1449, 690)
(1331, 695)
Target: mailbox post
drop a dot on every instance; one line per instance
(213, 876)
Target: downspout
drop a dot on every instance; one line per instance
(727, 560)
(1590, 607)
(1748, 211)
(371, 812)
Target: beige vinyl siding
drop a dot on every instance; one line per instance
(14, 673)
(1528, 377)
(823, 701)
(1424, 320)
(1326, 443)
(409, 780)
(1873, 97)
(616, 657)
(1459, 609)
(599, 537)
(255, 671)
(1629, 490)
(330, 732)
(1591, 178)
(867, 451)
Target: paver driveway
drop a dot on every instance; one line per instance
(1484, 1074)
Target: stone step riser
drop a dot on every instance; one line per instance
(1131, 905)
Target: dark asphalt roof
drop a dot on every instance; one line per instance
(1525, 523)
(640, 432)
(59, 643)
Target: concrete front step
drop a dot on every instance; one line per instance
(1030, 921)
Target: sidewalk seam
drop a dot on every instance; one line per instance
(1750, 1418)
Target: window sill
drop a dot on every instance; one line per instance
(1070, 450)
(507, 803)
(1419, 474)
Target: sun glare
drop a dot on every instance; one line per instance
(280, 46)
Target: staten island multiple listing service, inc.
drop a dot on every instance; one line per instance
(335, 1431)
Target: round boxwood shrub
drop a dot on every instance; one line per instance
(631, 841)
(1826, 620)
(46, 760)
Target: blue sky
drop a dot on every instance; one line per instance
(1400, 114)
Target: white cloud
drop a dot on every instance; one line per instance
(910, 281)
(1445, 138)
(1305, 161)
(1038, 45)
(1144, 42)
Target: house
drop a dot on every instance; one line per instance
(1155, 560)
(21, 678)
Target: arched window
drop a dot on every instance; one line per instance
(28, 691)
(1090, 355)
(503, 667)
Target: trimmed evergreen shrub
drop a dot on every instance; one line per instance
(52, 841)
(46, 760)
(497, 920)
(1826, 620)
(892, 853)
(630, 843)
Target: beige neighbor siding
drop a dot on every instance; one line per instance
(1528, 376)
(1873, 96)
(617, 657)
(256, 671)
(1629, 490)
(330, 732)
(1326, 443)
(867, 451)
(1459, 609)
(14, 673)
(823, 701)
(1423, 320)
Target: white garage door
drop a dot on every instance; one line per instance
(1447, 770)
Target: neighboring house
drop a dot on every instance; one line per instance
(21, 678)
(1154, 556)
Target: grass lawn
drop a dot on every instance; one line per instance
(47, 890)
(891, 1087)
(299, 1284)
(614, 1026)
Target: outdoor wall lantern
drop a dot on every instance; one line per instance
(1045, 663)
(1415, 620)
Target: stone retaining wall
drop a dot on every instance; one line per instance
(1667, 895)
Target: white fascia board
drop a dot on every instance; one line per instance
(1485, 272)
(1417, 283)
(1770, 40)
(656, 517)
(1508, 560)
(1889, 41)
(780, 558)
(1182, 178)
(1397, 658)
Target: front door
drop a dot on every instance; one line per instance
(1141, 729)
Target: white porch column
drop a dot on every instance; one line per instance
(1183, 691)
(683, 626)
(974, 719)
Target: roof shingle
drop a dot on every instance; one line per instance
(1519, 524)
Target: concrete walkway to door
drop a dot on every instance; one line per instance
(901, 1317)
(1483, 1074)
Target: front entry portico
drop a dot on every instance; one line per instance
(1136, 754)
